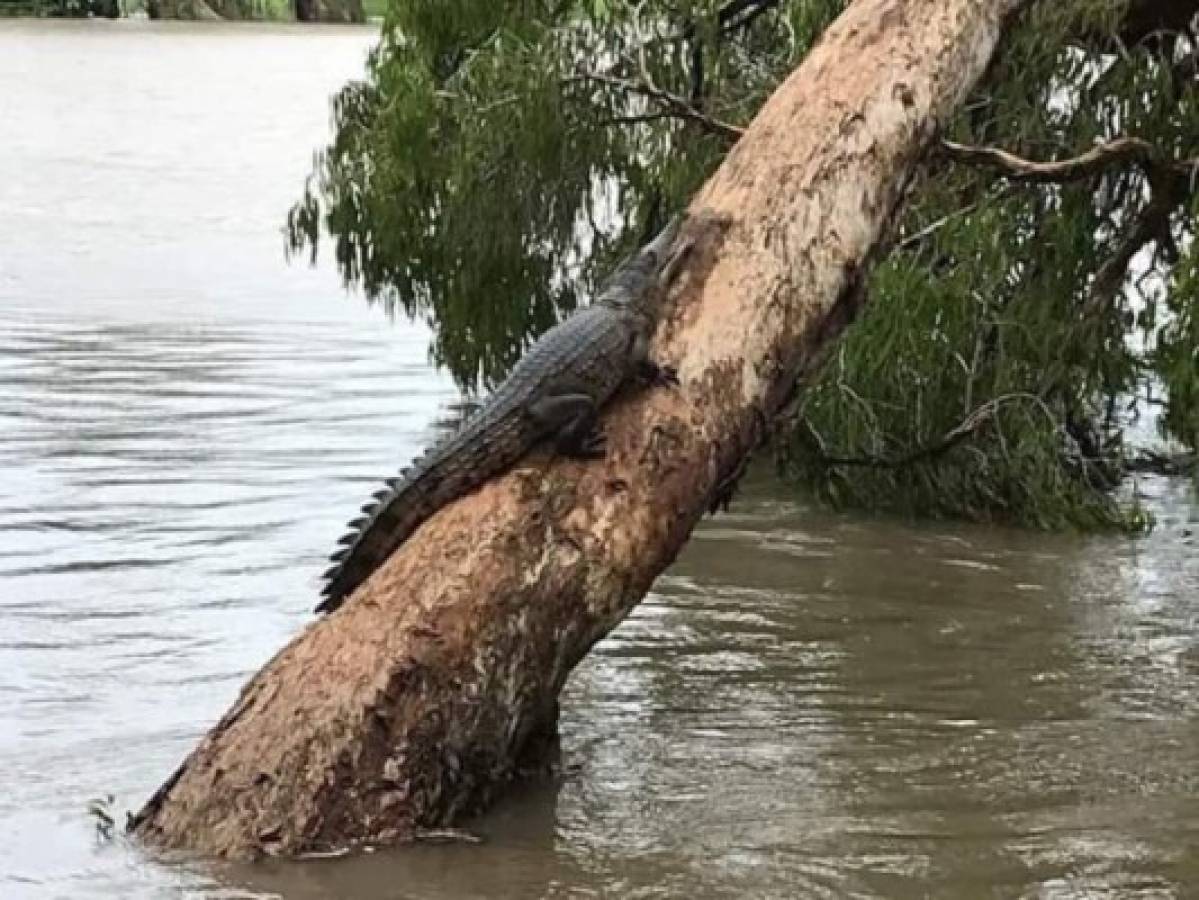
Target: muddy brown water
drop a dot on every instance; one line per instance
(807, 704)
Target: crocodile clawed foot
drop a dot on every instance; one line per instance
(659, 376)
(593, 446)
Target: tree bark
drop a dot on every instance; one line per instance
(415, 702)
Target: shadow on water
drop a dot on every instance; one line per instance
(808, 704)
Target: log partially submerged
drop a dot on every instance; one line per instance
(421, 697)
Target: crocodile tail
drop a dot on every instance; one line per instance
(443, 475)
(387, 521)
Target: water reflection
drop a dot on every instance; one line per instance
(807, 704)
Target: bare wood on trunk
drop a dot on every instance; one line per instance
(415, 702)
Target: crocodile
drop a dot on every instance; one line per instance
(555, 391)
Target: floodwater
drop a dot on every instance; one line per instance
(807, 705)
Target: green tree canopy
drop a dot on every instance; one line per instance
(1040, 289)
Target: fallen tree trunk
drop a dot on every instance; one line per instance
(415, 701)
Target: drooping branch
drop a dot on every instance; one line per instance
(1170, 183)
(967, 428)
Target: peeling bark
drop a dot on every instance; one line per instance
(414, 703)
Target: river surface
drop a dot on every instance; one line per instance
(807, 704)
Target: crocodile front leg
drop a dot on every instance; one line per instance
(572, 420)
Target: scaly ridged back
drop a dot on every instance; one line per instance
(589, 353)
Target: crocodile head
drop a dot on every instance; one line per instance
(633, 282)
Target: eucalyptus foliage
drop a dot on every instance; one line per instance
(499, 156)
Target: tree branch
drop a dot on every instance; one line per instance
(1170, 182)
(967, 428)
(917, 238)
(1167, 190)
(672, 103)
(733, 16)
(1154, 23)
(635, 119)
(1119, 151)
(727, 22)
(697, 75)
(1145, 19)
(727, 16)
(1173, 464)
